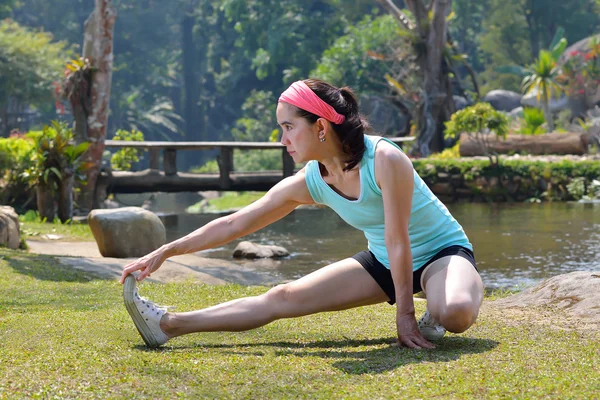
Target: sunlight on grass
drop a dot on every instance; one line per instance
(66, 334)
(32, 227)
(227, 201)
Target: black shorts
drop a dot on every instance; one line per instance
(383, 275)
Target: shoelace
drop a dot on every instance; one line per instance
(428, 321)
(152, 305)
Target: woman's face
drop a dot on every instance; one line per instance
(299, 136)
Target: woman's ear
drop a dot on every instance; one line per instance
(322, 125)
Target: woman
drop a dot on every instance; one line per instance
(414, 243)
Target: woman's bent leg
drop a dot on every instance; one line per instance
(454, 292)
(339, 286)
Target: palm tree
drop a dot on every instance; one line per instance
(541, 77)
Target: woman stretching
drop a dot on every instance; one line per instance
(414, 244)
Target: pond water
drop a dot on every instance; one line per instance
(516, 245)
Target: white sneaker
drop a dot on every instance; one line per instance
(430, 328)
(145, 314)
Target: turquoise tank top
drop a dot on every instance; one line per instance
(431, 227)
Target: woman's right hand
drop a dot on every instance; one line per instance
(147, 264)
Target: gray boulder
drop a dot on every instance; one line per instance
(503, 100)
(384, 116)
(252, 250)
(10, 231)
(460, 102)
(556, 105)
(516, 113)
(126, 232)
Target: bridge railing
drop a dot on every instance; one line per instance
(169, 179)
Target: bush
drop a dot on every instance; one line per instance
(533, 119)
(124, 158)
(536, 179)
(16, 157)
(479, 121)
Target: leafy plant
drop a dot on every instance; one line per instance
(57, 164)
(258, 118)
(55, 157)
(543, 77)
(533, 119)
(16, 154)
(479, 122)
(125, 157)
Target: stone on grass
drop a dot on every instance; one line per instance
(577, 293)
(252, 250)
(10, 232)
(126, 232)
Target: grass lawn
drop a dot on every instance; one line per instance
(227, 201)
(38, 230)
(67, 335)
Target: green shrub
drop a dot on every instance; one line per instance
(478, 122)
(533, 119)
(16, 157)
(125, 157)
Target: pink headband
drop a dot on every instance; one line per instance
(301, 96)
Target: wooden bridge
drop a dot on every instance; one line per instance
(170, 180)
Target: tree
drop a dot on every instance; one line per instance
(543, 74)
(98, 48)
(429, 35)
(30, 63)
(515, 31)
(6, 7)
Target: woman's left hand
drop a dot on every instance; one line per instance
(409, 334)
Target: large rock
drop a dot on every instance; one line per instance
(503, 100)
(10, 232)
(460, 102)
(385, 117)
(252, 250)
(555, 104)
(578, 293)
(126, 232)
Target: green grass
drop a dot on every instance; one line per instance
(227, 201)
(73, 231)
(65, 334)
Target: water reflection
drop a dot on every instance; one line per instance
(516, 245)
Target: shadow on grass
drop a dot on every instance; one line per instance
(347, 356)
(43, 267)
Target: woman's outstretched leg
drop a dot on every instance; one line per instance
(339, 286)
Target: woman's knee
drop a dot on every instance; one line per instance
(458, 314)
(281, 300)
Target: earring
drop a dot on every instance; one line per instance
(322, 138)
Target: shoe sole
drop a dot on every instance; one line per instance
(138, 319)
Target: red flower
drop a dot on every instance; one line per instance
(574, 53)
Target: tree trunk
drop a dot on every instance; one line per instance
(45, 201)
(549, 143)
(437, 93)
(65, 197)
(100, 35)
(547, 112)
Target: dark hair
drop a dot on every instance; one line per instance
(351, 132)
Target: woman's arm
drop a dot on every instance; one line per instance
(394, 173)
(278, 202)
